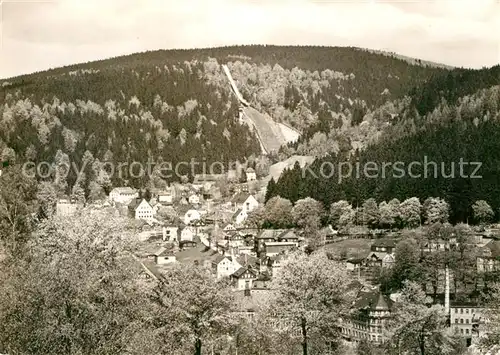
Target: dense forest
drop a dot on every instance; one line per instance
(176, 105)
(467, 132)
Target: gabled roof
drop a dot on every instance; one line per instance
(124, 190)
(151, 269)
(135, 203)
(236, 214)
(246, 260)
(376, 254)
(270, 233)
(163, 251)
(288, 234)
(373, 300)
(240, 197)
(219, 257)
(494, 247)
(242, 270)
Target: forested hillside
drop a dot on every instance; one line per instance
(177, 105)
(467, 131)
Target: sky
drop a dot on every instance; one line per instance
(42, 34)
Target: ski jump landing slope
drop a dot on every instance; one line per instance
(271, 134)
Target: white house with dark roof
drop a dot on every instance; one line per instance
(164, 256)
(243, 203)
(251, 175)
(141, 209)
(123, 195)
(225, 265)
(244, 277)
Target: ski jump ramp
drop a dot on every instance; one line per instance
(271, 134)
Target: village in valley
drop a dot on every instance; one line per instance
(196, 223)
(335, 196)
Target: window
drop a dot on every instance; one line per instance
(461, 331)
(467, 321)
(456, 320)
(467, 331)
(461, 311)
(456, 310)
(467, 311)
(461, 321)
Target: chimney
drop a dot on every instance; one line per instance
(447, 291)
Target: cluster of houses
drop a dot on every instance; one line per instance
(187, 226)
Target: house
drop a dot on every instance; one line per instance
(165, 197)
(354, 264)
(384, 245)
(64, 207)
(123, 195)
(187, 233)
(239, 217)
(206, 180)
(164, 256)
(194, 199)
(465, 318)
(245, 250)
(141, 209)
(236, 240)
(367, 318)
(229, 228)
(245, 202)
(274, 235)
(379, 259)
(187, 244)
(488, 259)
(171, 234)
(224, 265)
(251, 175)
(243, 278)
(275, 248)
(188, 214)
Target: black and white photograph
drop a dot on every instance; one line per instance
(249, 177)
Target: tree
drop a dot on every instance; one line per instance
(311, 293)
(370, 212)
(347, 218)
(482, 212)
(279, 212)
(271, 189)
(147, 195)
(417, 327)
(307, 214)
(410, 210)
(337, 209)
(491, 330)
(256, 218)
(192, 305)
(387, 215)
(436, 210)
(406, 266)
(17, 205)
(47, 199)
(75, 292)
